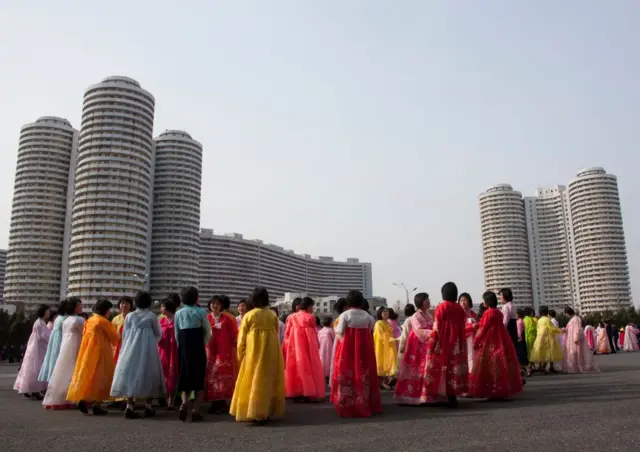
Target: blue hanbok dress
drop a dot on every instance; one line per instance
(138, 371)
(53, 349)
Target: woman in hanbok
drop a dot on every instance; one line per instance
(56, 396)
(385, 348)
(259, 394)
(496, 370)
(410, 384)
(557, 366)
(546, 349)
(126, 306)
(326, 338)
(304, 374)
(621, 335)
(193, 332)
(578, 358)
(168, 350)
(466, 302)
(530, 330)
(603, 344)
(93, 372)
(53, 348)
(27, 381)
(355, 391)
(242, 310)
(521, 345)
(393, 321)
(281, 326)
(222, 364)
(338, 308)
(589, 333)
(630, 343)
(138, 372)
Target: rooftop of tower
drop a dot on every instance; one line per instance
(593, 170)
(123, 79)
(54, 119)
(175, 132)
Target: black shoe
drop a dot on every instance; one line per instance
(182, 414)
(97, 411)
(149, 412)
(196, 417)
(82, 406)
(130, 414)
(452, 402)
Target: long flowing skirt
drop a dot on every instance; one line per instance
(591, 339)
(56, 397)
(411, 385)
(354, 387)
(27, 380)
(496, 372)
(50, 358)
(138, 371)
(193, 359)
(578, 358)
(221, 373)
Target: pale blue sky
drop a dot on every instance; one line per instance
(352, 128)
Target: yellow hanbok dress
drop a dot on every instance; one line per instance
(385, 348)
(546, 349)
(259, 393)
(95, 365)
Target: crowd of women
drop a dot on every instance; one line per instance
(248, 365)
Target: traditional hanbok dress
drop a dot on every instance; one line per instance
(631, 339)
(590, 336)
(304, 374)
(326, 338)
(118, 323)
(546, 349)
(138, 372)
(193, 332)
(53, 349)
(621, 335)
(411, 385)
(333, 352)
(578, 358)
(93, 372)
(560, 338)
(385, 348)
(469, 331)
(56, 397)
(496, 370)
(168, 350)
(355, 391)
(447, 371)
(530, 333)
(260, 389)
(27, 380)
(397, 331)
(222, 364)
(603, 345)
(521, 345)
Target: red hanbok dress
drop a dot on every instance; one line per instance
(222, 364)
(447, 372)
(355, 391)
(496, 369)
(303, 373)
(411, 385)
(470, 331)
(168, 349)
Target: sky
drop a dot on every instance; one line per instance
(352, 128)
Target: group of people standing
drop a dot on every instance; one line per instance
(605, 338)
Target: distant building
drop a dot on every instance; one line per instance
(3, 267)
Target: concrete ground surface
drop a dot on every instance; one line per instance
(555, 413)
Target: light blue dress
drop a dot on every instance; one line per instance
(53, 349)
(138, 370)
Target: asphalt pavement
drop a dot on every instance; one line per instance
(555, 413)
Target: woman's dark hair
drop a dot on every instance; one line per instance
(420, 299)
(340, 306)
(215, 299)
(569, 311)
(380, 311)
(601, 324)
(126, 299)
(449, 292)
(102, 307)
(544, 311)
(143, 300)
(490, 299)
(297, 301)
(190, 296)
(62, 306)
(520, 313)
(365, 304)
(409, 310)
(72, 304)
(175, 298)
(507, 294)
(307, 302)
(326, 321)
(468, 297)
(260, 297)
(226, 302)
(42, 310)
(355, 299)
(392, 314)
(481, 311)
(528, 311)
(84, 315)
(170, 305)
(552, 313)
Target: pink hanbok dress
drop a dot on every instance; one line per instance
(27, 380)
(630, 339)
(326, 338)
(590, 335)
(304, 374)
(578, 358)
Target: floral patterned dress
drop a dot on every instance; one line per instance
(222, 365)
(411, 387)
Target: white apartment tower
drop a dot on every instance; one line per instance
(111, 216)
(505, 246)
(176, 213)
(46, 160)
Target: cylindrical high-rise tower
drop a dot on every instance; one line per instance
(111, 219)
(176, 213)
(598, 240)
(46, 154)
(504, 243)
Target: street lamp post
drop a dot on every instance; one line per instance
(406, 291)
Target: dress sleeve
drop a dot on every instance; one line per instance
(242, 338)
(206, 326)
(112, 334)
(341, 328)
